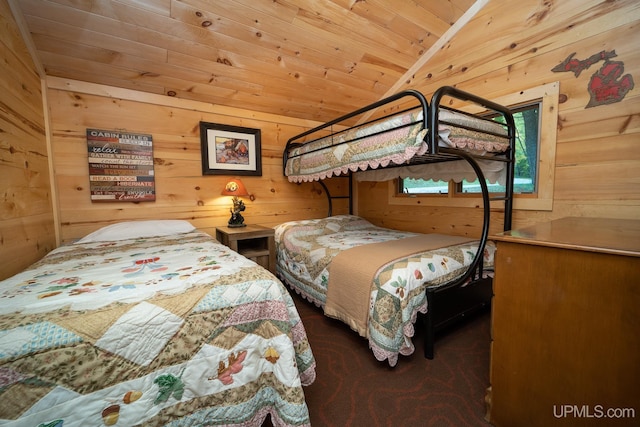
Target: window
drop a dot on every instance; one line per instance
(535, 113)
(423, 186)
(527, 119)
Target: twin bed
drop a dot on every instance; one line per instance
(377, 280)
(150, 323)
(156, 323)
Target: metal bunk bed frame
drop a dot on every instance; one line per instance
(451, 302)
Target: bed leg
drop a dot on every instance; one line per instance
(429, 335)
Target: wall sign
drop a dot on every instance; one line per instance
(607, 85)
(120, 166)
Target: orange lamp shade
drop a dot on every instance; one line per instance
(236, 188)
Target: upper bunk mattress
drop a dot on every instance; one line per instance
(395, 140)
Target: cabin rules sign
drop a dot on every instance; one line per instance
(120, 166)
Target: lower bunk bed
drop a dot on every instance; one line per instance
(150, 323)
(380, 290)
(373, 279)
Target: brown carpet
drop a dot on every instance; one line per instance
(353, 389)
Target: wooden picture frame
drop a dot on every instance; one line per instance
(230, 150)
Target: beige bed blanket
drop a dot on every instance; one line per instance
(352, 272)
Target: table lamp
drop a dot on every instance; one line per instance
(236, 189)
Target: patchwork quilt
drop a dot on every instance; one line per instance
(394, 140)
(306, 248)
(173, 330)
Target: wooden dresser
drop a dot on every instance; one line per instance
(566, 325)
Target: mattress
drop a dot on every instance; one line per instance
(172, 329)
(305, 250)
(394, 140)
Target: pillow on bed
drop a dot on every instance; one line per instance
(138, 229)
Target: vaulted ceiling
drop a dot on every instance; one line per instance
(313, 59)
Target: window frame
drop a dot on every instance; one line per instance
(548, 96)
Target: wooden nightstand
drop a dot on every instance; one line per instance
(253, 241)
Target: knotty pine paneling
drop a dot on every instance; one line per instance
(422, 217)
(597, 170)
(182, 192)
(502, 50)
(26, 209)
(331, 55)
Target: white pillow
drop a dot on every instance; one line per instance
(138, 229)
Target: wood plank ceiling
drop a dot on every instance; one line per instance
(311, 59)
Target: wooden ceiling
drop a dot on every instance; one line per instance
(312, 59)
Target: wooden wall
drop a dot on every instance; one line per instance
(501, 51)
(26, 209)
(508, 49)
(182, 192)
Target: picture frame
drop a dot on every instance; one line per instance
(230, 150)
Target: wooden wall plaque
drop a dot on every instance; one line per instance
(120, 166)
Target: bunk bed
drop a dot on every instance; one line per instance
(150, 323)
(455, 136)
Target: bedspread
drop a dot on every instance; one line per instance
(174, 330)
(367, 147)
(394, 140)
(305, 250)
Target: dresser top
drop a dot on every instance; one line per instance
(616, 236)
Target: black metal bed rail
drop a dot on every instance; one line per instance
(508, 156)
(452, 92)
(473, 277)
(330, 197)
(347, 141)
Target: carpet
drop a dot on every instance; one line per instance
(353, 389)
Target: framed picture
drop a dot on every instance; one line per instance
(230, 150)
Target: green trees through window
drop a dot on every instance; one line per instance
(527, 120)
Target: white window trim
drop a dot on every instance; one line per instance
(549, 95)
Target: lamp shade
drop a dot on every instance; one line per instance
(235, 187)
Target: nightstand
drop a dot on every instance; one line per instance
(253, 241)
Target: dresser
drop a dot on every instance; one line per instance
(566, 325)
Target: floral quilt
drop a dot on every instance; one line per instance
(174, 330)
(395, 140)
(305, 250)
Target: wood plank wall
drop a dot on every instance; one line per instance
(505, 50)
(26, 209)
(182, 192)
(597, 156)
